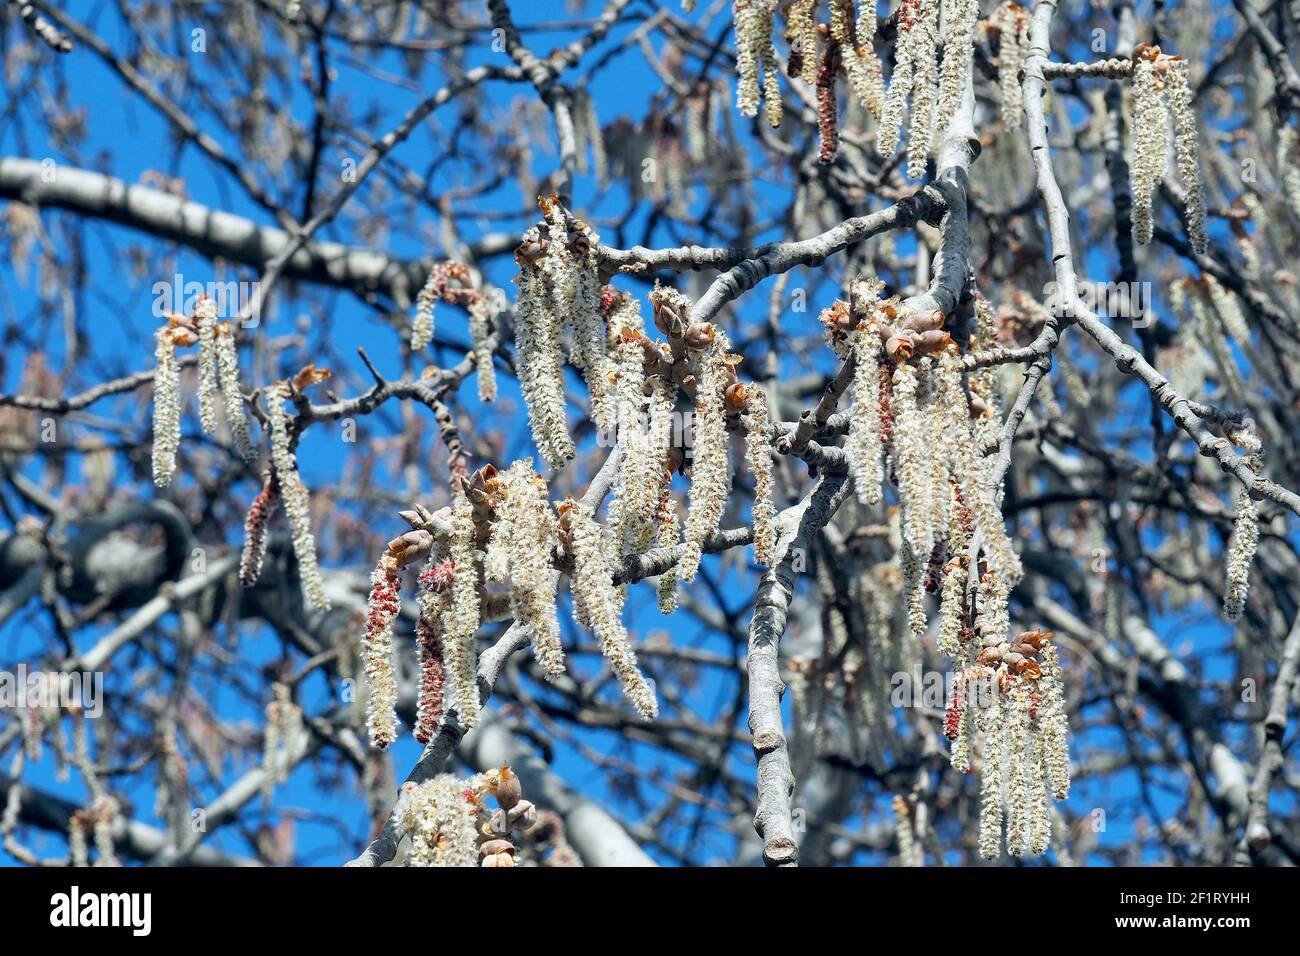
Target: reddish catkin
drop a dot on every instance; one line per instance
(956, 708)
(377, 649)
(259, 513)
(435, 585)
(429, 706)
(827, 107)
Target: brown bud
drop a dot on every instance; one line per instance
(563, 511)
(477, 488)
(840, 315)
(668, 315)
(737, 397)
(524, 815)
(530, 250)
(933, 342)
(579, 242)
(700, 335)
(179, 337)
(310, 375)
(1035, 638)
(410, 547)
(507, 790)
(924, 321)
(901, 347)
(1028, 668)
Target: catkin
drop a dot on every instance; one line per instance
(480, 327)
(528, 537)
(864, 447)
(440, 816)
(911, 455)
(378, 652)
(293, 492)
(747, 16)
(425, 303)
(461, 618)
(1150, 143)
(597, 604)
(1241, 551)
(866, 75)
(559, 288)
(1187, 150)
(541, 371)
(433, 596)
(923, 35)
(205, 317)
(991, 728)
(710, 466)
(255, 531)
(758, 459)
(228, 369)
(166, 410)
(1013, 42)
(958, 50)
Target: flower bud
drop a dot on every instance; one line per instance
(497, 846)
(924, 321)
(1028, 668)
(700, 335)
(410, 547)
(737, 397)
(933, 341)
(523, 815)
(508, 791)
(902, 346)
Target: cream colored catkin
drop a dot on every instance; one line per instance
(480, 327)
(461, 617)
(228, 369)
(1187, 149)
(758, 459)
(440, 819)
(710, 465)
(598, 605)
(541, 370)
(166, 410)
(205, 317)
(1241, 552)
(1151, 140)
(924, 36)
(294, 496)
(864, 448)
